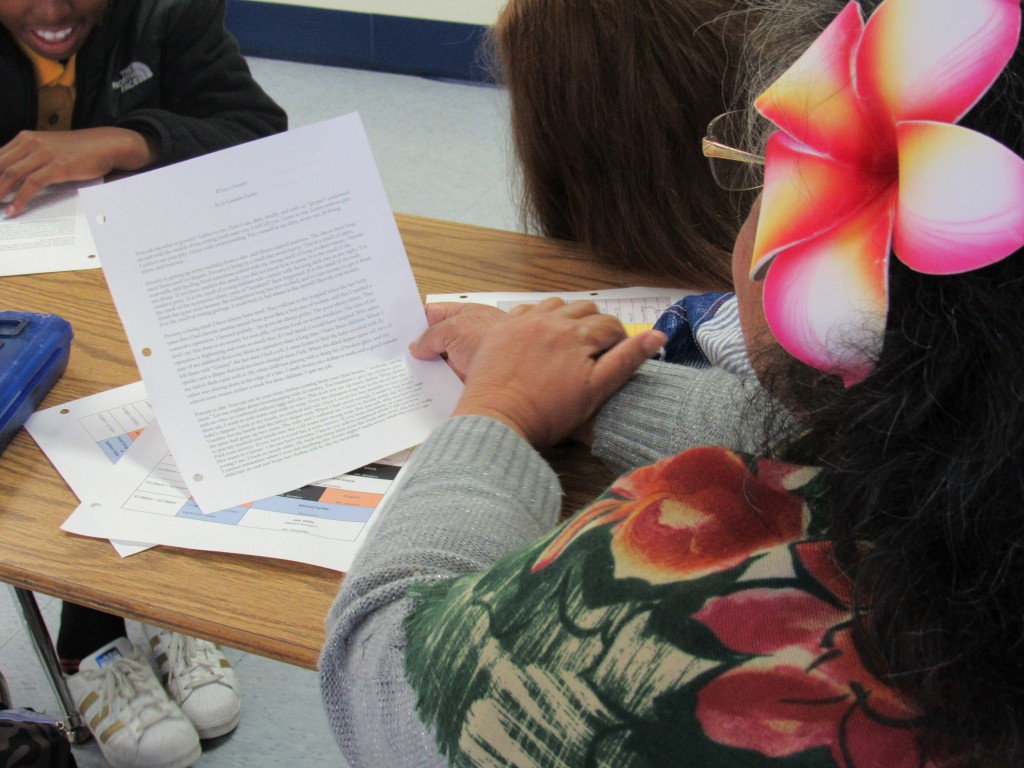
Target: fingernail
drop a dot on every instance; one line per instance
(654, 344)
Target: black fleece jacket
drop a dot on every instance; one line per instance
(166, 68)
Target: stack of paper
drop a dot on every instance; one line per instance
(269, 304)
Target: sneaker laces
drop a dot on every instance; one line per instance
(196, 661)
(129, 687)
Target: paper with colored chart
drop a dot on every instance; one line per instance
(83, 439)
(86, 437)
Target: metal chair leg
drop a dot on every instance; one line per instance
(42, 642)
(5, 693)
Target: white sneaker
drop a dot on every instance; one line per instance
(199, 678)
(131, 716)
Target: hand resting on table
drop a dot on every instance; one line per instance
(543, 370)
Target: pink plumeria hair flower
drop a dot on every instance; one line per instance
(868, 161)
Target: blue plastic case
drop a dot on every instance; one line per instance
(34, 351)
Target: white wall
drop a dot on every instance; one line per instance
(483, 12)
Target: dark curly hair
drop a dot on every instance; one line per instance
(925, 463)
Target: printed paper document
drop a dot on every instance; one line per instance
(322, 523)
(269, 303)
(51, 235)
(84, 438)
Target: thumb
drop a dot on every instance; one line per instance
(433, 343)
(435, 339)
(441, 310)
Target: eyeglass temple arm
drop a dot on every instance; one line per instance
(714, 149)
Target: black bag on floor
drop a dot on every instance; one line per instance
(29, 739)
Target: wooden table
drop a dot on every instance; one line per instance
(270, 607)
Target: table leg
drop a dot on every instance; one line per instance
(42, 642)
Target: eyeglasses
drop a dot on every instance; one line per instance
(733, 169)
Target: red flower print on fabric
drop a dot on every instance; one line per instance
(805, 685)
(700, 512)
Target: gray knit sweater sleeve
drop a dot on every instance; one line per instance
(472, 493)
(666, 408)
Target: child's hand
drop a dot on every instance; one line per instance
(36, 159)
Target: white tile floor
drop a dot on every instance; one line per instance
(442, 147)
(443, 151)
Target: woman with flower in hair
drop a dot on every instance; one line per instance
(852, 596)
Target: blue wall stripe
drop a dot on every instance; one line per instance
(360, 40)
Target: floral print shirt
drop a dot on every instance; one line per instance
(692, 616)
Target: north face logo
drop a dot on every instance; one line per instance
(132, 75)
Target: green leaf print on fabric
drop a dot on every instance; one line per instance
(630, 636)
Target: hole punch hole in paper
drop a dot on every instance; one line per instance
(147, 352)
(197, 477)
